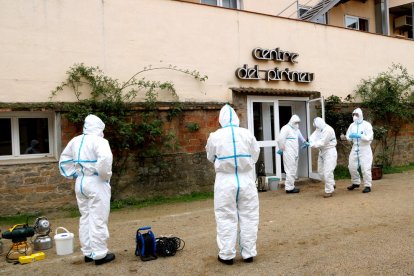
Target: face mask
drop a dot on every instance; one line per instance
(296, 125)
(355, 118)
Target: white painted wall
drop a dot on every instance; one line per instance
(41, 39)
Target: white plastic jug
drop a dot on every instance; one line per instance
(64, 242)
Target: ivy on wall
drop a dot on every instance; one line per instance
(110, 99)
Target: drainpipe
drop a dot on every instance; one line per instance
(386, 18)
(412, 16)
(297, 9)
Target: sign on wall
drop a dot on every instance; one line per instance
(275, 74)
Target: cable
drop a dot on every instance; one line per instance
(168, 246)
(18, 248)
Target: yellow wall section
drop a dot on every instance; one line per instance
(336, 16)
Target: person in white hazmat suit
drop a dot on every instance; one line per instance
(324, 139)
(361, 134)
(289, 149)
(88, 159)
(234, 152)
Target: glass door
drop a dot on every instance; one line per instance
(315, 108)
(263, 123)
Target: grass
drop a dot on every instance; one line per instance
(18, 219)
(115, 205)
(119, 204)
(342, 172)
(399, 169)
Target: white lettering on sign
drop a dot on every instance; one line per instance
(275, 74)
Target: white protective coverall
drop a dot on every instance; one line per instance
(234, 151)
(361, 153)
(88, 159)
(288, 143)
(324, 139)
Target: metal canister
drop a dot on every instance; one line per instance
(42, 243)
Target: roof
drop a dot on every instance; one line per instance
(276, 92)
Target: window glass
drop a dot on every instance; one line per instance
(5, 137)
(263, 121)
(33, 135)
(209, 2)
(351, 22)
(230, 4)
(363, 25)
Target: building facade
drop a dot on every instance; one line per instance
(264, 57)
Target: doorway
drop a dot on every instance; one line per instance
(267, 115)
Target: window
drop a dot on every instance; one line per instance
(321, 19)
(234, 4)
(356, 23)
(26, 135)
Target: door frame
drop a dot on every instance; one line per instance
(271, 143)
(312, 174)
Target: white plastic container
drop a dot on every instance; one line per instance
(64, 242)
(273, 183)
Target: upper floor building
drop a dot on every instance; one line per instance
(387, 17)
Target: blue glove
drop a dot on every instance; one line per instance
(280, 152)
(75, 175)
(305, 145)
(354, 135)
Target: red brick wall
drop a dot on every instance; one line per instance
(192, 142)
(68, 131)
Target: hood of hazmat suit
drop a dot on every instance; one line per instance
(324, 135)
(228, 117)
(294, 121)
(93, 125)
(360, 115)
(319, 123)
(234, 152)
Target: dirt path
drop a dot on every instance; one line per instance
(302, 234)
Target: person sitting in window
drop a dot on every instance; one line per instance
(33, 147)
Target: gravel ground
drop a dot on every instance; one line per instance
(299, 234)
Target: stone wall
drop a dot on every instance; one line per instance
(168, 175)
(32, 188)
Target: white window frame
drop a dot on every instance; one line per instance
(357, 19)
(52, 134)
(220, 4)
